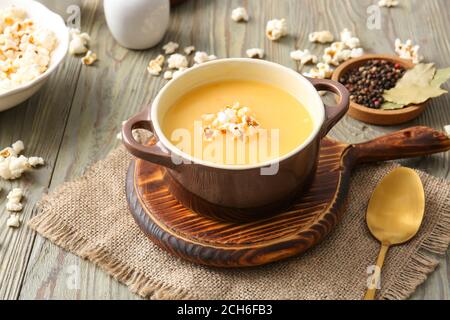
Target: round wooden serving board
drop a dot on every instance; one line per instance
(206, 241)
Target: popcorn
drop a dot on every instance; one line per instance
(388, 3)
(321, 36)
(408, 51)
(202, 57)
(79, 42)
(14, 197)
(357, 52)
(168, 75)
(349, 40)
(177, 61)
(36, 161)
(170, 47)
(321, 71)
(189, 50)
(447, 129)
(89, 58)
(255, 53)
(276, 29)
(25, 49)
(235, 120)
(13, 221)
(18, 146)
(155, 66)
(12, 166)
(239, 15)
(303, 56)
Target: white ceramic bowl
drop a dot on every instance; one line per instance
(46, 18)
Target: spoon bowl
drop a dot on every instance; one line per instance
(395, 212)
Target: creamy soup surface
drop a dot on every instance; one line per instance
(237, 122)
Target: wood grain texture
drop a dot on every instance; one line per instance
(73, 121)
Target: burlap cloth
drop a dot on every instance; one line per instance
(90, 218)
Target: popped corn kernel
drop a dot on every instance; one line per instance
(177, 61)
(170, 47)
(349, 39)
(255, 53)
(320, 71)
(304, 56)
(240, 15)
(36, 161)
(202, 57)
(324, 36)
(89, 58)
(189, 50)
(388, 3)
(276, 29)
(168, 75)
(155, 66)
(13, 221)
(408, 51)
(79, 42)
(14, 200)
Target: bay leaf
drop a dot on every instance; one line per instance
(412, 94)
(441, 77)
(391, 106)
(420, 75)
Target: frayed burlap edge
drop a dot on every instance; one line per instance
(424, 259)
(52, 226)
(54, 229)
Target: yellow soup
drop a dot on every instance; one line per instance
(237, 122)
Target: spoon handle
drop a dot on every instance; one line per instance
(370, 294)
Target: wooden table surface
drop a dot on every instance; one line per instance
(73, 120)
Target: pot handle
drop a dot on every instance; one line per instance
(151, 152)
(332, 113)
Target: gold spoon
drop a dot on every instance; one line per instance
(395, 212)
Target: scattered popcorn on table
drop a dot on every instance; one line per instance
(447, 129)
(13, 165)
(13, 221)
(170, 47)
(233, 119)
(14, 197)
(324, 36)
(168, 75)
(320, 71)
(79, 42)
(357, 52)
(89, 58)
(303, 56)
(408, 51)
(36, 161)
(155, 66)
(177, 61)
(349, 40)
(202, 57)
(255, 53)
(240, 15)
(388, 3)
(189, 50)
(25, 48)
(276, 29)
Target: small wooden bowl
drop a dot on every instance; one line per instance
(378, 116)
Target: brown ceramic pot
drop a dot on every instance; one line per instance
(238, 192)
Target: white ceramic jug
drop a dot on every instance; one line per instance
(137, 24)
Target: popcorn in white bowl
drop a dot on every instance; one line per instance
(33, 42)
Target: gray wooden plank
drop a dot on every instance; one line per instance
(118, 86)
